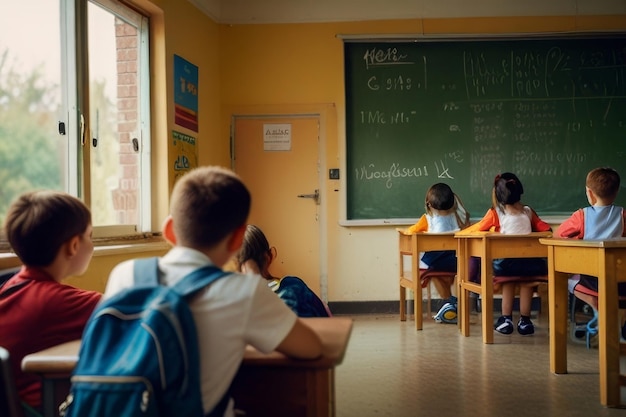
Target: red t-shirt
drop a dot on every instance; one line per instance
(37, 312)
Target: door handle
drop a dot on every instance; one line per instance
(315, 196)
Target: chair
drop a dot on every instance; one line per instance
(541, 292)
(414, 278)
(489, 246)
(585, 330)
(10, 405)
(5, 274)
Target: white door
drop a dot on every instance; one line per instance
(278, 159)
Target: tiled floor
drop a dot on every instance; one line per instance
(391, 369)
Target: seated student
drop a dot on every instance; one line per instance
(256, 256)
(508, 215)
(209, 207)
(51, 234)
(601, 220)
(444, 213)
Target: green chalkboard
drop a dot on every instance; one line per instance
(461, 111)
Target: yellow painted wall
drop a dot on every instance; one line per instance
(297, 66)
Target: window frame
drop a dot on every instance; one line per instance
(74, 112)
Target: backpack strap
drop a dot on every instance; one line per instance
(146, 271)
(198, 279)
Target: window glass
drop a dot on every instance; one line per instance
(33, 155)
(114, 117)
(46, 86)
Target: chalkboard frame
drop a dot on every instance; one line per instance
(349, 219)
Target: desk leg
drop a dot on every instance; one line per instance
(486, 282)
(558, 301)
(463, 309)
(608, 335)
(48, 399)
(54, 390)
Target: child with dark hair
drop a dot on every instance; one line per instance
(256, 256)
(51, 234)
(508, 215)
(444, 213)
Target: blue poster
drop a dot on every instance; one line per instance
(185, 94)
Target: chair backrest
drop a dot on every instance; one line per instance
(5, 274)
(10, 404)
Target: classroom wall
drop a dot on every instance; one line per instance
(291, 65)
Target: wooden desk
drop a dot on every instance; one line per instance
(489, 246)
(412, 244)
(266, 384)
(607, 261)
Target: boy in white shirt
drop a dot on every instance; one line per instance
(209, 209)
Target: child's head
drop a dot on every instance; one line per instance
(439, 197)
(207, 204)
(39, 223)
(604, 183)
(507, 189)
(255, 248)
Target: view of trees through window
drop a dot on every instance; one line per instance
(40, 143)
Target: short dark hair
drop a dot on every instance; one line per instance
(207, 204)
(508, 189)
(38, 223)
(604, 182)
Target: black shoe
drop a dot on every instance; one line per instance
(525, 327)
(504, 325)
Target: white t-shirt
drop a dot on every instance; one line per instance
(231, 313)
(515, 224)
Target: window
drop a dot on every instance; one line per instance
(74, 109)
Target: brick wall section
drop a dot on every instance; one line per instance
(126, 196)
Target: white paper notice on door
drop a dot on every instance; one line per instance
(277, 137)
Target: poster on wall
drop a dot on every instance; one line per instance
(277, 137)
(185, 94)
(185, 157)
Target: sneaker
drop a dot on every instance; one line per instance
(525, 327)
(504, 325)
(447, 313)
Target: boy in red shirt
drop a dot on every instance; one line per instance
(51, 234)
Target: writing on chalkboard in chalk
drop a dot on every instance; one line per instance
(461, 111)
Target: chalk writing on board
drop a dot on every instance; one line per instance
(390, 56)
(395, 83)
(548, 109)
(379, 117)
(396, 171)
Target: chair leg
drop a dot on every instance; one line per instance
(429, 309)
(402, 304)
(542, 291)
(417, 307)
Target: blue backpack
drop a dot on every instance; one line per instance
(300, 298)
(139, 352)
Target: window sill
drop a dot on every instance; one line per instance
(105, 247)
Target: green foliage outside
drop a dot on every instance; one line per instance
(31, 150)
